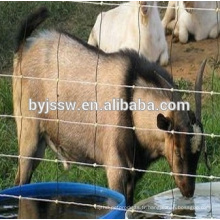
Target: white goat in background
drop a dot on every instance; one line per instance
(120, 29)
(191, 19)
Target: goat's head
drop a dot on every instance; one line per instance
(144, 10)
(182, 149)
(189, 5)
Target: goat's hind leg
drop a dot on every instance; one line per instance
(40, 153)
(30, 145)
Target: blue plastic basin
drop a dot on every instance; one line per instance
(38, 190)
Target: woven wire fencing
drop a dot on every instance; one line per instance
(78, 18)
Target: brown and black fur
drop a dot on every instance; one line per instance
(55, 54)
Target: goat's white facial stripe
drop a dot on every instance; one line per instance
(196, 139)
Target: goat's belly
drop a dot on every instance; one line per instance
(67, 153)
(72, 141)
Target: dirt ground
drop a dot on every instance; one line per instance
(186, 58)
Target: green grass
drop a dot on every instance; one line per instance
(78, 19)
(75, 18)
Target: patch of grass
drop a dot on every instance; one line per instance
(152, 183)
(74, 18)
(8, 146)
(183, 84)
(6, 106)
(211, 117)
(8, 139)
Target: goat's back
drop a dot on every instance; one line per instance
(63, 69)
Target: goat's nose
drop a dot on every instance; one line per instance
(187, 191)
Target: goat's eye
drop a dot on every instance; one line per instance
(178, 154)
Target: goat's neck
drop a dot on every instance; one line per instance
(150, 140)
(148, 28)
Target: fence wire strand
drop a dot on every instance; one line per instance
(115, 85)
(150, 6)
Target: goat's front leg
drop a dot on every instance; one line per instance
(118, 178)
(92, 39)
(174, 26)
(169, 14)
(183, 34)
(121, 181)
(164, 58)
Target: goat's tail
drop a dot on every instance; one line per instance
(29, 25)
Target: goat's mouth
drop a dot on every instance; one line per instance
(187, 193)
(186, 187)
(187, 190)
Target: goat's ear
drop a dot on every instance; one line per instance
(189, 4)
(192, 117)
(164, 123)
(143, 5)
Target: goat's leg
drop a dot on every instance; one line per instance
(183, 34)
(28, 209)
(28, 144)
(169, 14)
(215, 31)
(118, 180)
(21, 177)
(164, 58)
(131, 183)
(40, 153)
(92, 39)
(174, 26)
(94, 35)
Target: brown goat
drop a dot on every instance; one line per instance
(57, 55)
